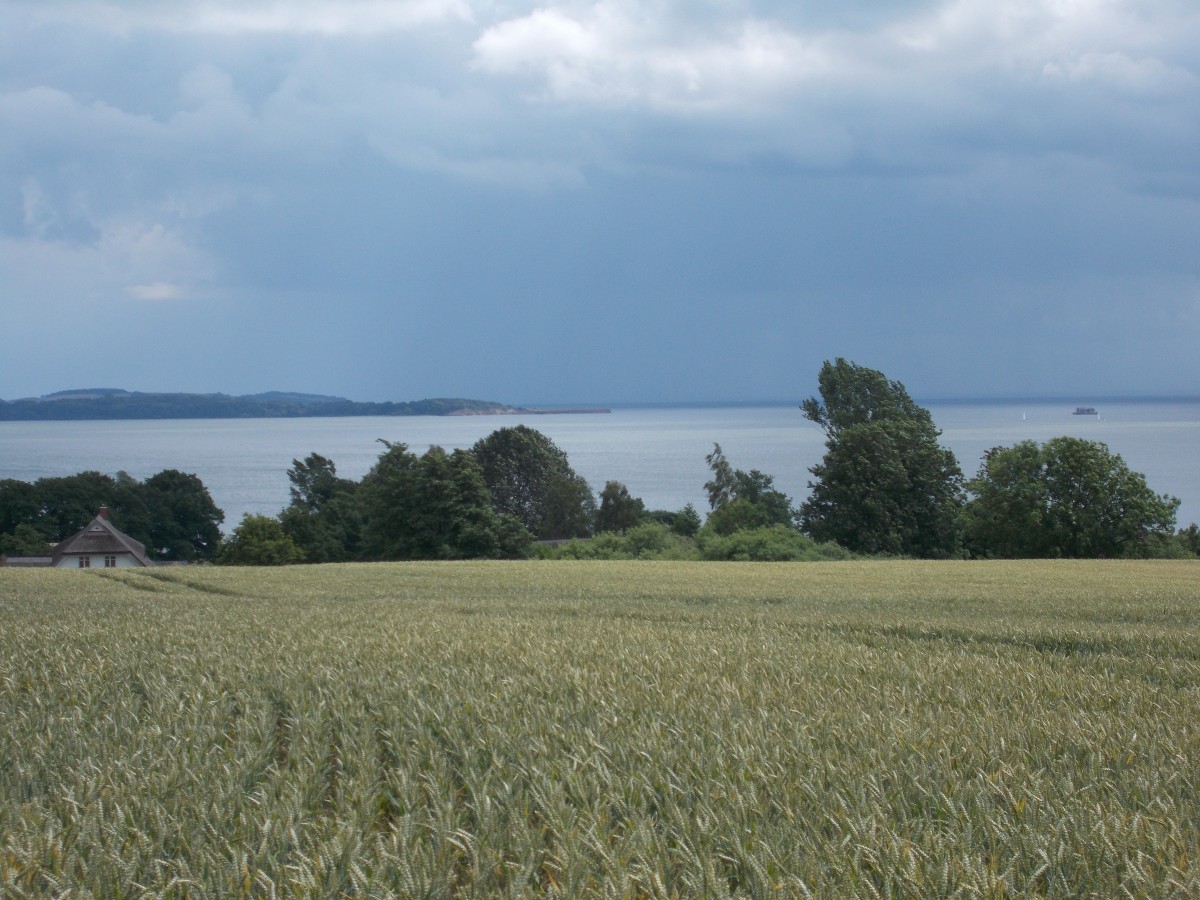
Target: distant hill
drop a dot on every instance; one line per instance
(115, 403)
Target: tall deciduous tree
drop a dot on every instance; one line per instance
(524, 471)
(68, 502)
(1069, 497)
(720, 488)
(569, 508)
(885, 485)
(435, 506)
(619, 510)
(184, 521)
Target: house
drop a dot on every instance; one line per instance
(100, 544)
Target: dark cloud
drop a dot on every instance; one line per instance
(610, 201)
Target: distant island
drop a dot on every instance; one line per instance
(114, 403)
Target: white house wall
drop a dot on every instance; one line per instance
(124, 561)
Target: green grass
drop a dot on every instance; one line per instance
(602, 729)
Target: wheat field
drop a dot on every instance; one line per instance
(871, 729)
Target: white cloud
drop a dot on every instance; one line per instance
(129, 258)
(240, 17)
(159, 290)
(1120, 72)
(1078, 39)
(612, 55)
(38, 213)
(618, 53)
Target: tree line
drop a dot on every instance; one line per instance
(171, 513)
(885, 486)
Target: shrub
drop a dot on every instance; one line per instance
(259, 541)
(774, 543)
(650, 540)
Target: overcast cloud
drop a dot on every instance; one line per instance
(599, 202)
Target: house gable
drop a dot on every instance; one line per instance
(99, 545)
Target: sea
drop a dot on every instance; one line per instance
(656, 451)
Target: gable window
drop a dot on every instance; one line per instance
(110, 562)
(85, 562)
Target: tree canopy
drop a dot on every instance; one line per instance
(259, 541)
(531, 480)
(1067, 498)
(619, 510)
(435, 506)
(885, 485)
(740, 500)
(324, 519)
(172, 512)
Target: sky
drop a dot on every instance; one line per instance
(599, 202)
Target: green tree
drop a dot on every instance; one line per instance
(184, 521)
(569, 508)
(721, 487)
(885, 485)
(741, 499)
(1188, 540)
(171, 513)
(259, 541)
(129, 509)
(1067, 498)
(315, 482)
(524, 471)
(325, 518)
(736, 516)
(25, 540)
(67, 503)
(436, 506)
(619, 510)
(687, 522)
(683, 522)
(19, 505)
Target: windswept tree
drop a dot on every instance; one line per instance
(740, 499)
(885, 485)
(325, 518)
(1067, 498)
(531, 480)
(315, 482)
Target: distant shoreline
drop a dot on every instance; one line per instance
(109, 404)
(112, 404)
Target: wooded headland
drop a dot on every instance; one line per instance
(113, 403)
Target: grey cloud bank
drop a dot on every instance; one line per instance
(614, 201)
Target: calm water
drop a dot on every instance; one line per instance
(657, 453)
